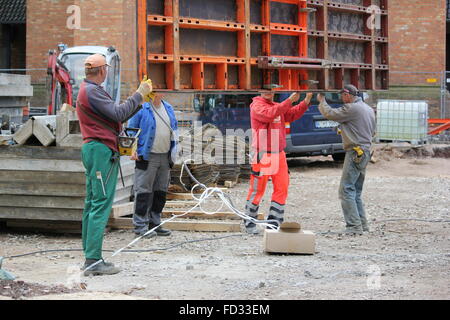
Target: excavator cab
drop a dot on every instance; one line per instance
(67, 74)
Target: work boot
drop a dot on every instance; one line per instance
(251, 228)
(88, 262)
(273, 224)
(160, 231)
(148, 236)
(102, 268)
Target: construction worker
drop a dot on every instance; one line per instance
(101, 121)
(155, 156)
(357, 125)
(269, 160)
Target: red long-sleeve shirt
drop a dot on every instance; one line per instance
(268, 121)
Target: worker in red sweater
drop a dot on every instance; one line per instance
(268, 121)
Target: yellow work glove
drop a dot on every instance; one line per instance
(146, 89)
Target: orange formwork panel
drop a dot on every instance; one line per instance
(177, 40)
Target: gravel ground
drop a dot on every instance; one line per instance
(406, 259)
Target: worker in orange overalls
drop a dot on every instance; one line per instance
(268, 121)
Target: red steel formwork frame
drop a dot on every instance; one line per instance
(170, 51)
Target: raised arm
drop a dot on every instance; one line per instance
(297, 111)
(342, 114)
(265, 113)
(104, 106)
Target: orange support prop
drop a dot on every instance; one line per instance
(444, 125)
(142, 37)
(197, 76)
(221, 76)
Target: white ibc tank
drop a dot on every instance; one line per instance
(402, 120)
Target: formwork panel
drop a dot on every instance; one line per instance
(256, 43)
(256, 11)
(156, 39)
(157, 72)
(208, 42)
(155, 7)
(197, 44)
(286, 13)
(224, 10)
(284, 45)
(346, 51)
(346, 22)
(353, 2)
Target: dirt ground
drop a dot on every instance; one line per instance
(406, 259)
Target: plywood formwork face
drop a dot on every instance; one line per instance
(216, 44)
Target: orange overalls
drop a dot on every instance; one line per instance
(269, 160)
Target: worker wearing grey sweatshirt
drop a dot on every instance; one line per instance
(357, 125)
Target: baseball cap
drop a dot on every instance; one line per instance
(350, 89)
(94, 61)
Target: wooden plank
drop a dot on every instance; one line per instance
(179, 204)
(204, 226)
(42, 189)
(200, 215)
(126, 209)
(41, 202)
(41, 214)
(41, 165)
(179, 196)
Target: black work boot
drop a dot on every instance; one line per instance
(101, 268)
(251, 228)
(160, 231)
(148, 236)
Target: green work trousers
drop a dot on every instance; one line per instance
(100, 192)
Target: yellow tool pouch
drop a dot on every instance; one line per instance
(128, 141)
(359, 154)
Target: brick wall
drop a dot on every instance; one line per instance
(417, 32)
(417, 36)
(103, 23)
(111, 22)
(46, 28)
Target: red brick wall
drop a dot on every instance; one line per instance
(417, 32)
(417, 36)
(103, 23)
(111, 22)
(46, 28)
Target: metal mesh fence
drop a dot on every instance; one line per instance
(413, 98)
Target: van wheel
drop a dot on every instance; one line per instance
(338, 157)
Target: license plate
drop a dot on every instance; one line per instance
(326, 124)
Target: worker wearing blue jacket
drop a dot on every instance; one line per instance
(156, 153)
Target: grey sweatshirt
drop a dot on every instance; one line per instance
(357, 122)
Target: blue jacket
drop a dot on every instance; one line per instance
(145, 120)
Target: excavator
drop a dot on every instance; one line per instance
(65, 72)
